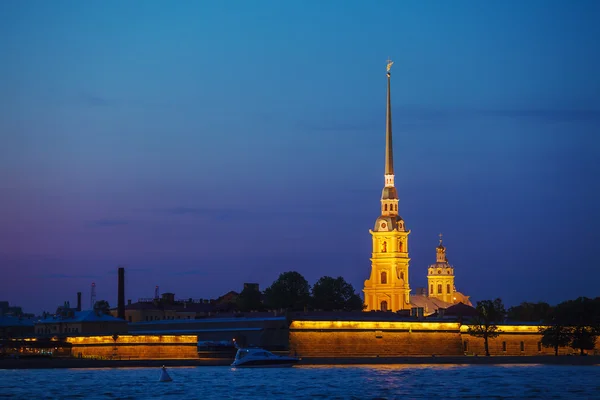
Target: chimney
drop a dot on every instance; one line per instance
(78, 301)
(121, 294)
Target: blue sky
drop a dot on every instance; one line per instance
(207, 144)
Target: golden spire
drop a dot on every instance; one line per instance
(389, 156)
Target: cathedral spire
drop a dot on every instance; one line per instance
(389, 153)
(389, 195)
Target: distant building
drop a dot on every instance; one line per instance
(15, 327)
(76, 323)
(15, 311)
(3, 308)
(166, 308)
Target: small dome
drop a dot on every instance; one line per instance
(441, 265)
(389, 223)
(389, 193)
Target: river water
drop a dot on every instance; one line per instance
(309, 382)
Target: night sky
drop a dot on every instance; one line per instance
(207, 144)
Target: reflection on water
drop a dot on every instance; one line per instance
(319, 381)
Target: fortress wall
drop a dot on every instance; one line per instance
(513, 345)
(372, 344)
(135, 347)
(401, 339)
(373, 339)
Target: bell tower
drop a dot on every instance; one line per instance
(387, 288)
(440, 277)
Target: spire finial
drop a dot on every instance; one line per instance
(389, 64)
(440, 235)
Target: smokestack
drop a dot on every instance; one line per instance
(121, 294)
(78, 301)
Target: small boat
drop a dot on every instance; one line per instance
(164, 375)
(257, 357)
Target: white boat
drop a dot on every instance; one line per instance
(256, 357)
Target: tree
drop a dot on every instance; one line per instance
(484, 324)
(250, 299)
(289, 291)
(335, 294)
(102, 307)
(583, 317)
(529, 312)
(555, 336)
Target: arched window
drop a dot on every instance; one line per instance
(384, 277)
(439, 288)
(431, 289)
(385, 207)
(448, 288)
(400, 245)
(384, 247)
(384, 305)
(402, 275)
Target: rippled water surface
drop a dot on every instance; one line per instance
(309, 382)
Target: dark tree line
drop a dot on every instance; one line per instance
(291, 291)
(574, 323)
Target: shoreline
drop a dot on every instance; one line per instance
(50, 363)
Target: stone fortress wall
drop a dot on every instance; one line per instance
(400, 339)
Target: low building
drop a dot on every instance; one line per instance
(74, 323)
(168, 308)
(262, 329)
(15, 327)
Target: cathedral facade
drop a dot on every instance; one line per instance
(388, 288)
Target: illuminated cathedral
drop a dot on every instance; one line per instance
(388, 288)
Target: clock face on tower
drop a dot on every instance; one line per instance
(383, 225)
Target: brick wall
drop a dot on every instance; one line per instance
(391, 339)
(135, 347)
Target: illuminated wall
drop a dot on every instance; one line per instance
(395, 339)
(135, 346)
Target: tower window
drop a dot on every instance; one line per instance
(402, 275)
(439, 288)
(384, 305)
(431, 289)
(385, 207)
(384, 277)
(384, 247)
(448, 288)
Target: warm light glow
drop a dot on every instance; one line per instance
(122, 339)
(375, 325)
(510, 329)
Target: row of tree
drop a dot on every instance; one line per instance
(291, 291)
(574, 323)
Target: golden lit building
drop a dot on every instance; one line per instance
(440, 276)
(387, 289)
(440, 279)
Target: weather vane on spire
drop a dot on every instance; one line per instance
(389, 64)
